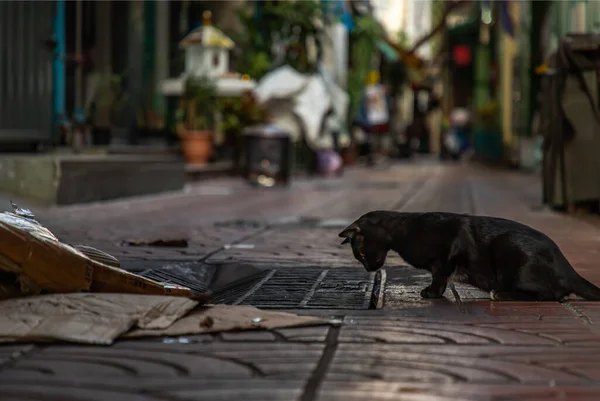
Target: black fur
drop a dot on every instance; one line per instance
(510, 260)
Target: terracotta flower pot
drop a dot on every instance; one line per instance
(197, 146)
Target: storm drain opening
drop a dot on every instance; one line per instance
(278, 288)
(310, 288)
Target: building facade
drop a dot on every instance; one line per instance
(26, 71)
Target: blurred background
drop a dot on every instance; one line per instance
(266, 89)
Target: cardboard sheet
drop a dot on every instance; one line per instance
(102, 318)
(219, 318)
(40, 260)
(87, 318)
(42, 263)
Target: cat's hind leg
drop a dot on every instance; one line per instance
(524, 270)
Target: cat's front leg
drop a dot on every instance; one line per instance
(439, 280)
(436, 289)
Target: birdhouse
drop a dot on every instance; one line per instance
(206, 50)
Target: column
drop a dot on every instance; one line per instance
(161, 59)
(103, 36)
(578, 17)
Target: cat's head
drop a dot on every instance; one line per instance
(370, 242)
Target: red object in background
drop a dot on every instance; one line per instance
(462, 55)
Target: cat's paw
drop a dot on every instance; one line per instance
(493, 295)
(429, 293)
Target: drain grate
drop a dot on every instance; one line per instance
(311, 288)
(235, 292)
(168, 277)
(294, 287)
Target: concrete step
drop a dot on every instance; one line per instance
(64, 179)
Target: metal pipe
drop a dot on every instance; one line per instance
(58, 64)
(78, 52)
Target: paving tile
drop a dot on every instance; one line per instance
(304, 334)
(295, 360)
(404, 285)
(464, 363)
(590, 310)
(248, 336)
(541, 310)
(10, 353)
(103, 362)
(35, 391)
(466, 331)
(410, 391)
(305, 246)
(134, 388)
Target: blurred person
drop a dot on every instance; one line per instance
(374, 114)
(455, 139)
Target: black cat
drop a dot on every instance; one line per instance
(510, 260)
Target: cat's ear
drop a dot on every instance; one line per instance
(349, 233)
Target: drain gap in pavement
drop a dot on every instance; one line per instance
(303, 288)
(276, 288)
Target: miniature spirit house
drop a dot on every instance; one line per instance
(206, 50)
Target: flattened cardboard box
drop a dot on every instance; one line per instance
(87, 318)
(42, 262)
(102, 318)
(45, 263)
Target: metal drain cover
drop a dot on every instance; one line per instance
(294, 287)
(311, 288)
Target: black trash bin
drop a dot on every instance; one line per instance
(268, 150)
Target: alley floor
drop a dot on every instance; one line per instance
(390, 345)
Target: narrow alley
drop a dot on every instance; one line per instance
(390, 343)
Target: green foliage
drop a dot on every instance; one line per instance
(109, 96)
(198, 104)
(231, 110)
(293, 23)
(109, 91)
(259, 64)
(254, 55)
(402, 39)
(364, 42)
(240, 112)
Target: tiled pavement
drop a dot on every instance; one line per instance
(411, 349)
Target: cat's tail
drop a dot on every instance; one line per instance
(586, 290)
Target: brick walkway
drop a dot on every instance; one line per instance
(411, 349)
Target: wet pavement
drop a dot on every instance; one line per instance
(391, 344)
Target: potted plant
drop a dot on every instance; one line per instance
(196, 119)
(108, 99)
